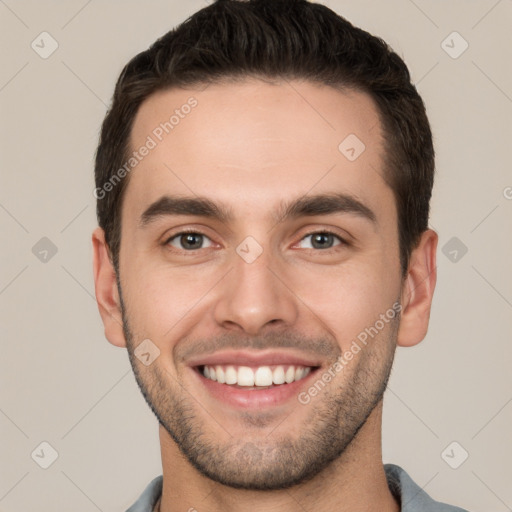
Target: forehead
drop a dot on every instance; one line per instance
(254, 144)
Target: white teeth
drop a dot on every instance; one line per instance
(231, 375)
(220, 374)
(278, 375)
(245, 376)
(290, 375)
(262, 376)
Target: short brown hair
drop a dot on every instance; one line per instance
(272, 39)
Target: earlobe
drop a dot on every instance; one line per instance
(105, 285)
(418, 291)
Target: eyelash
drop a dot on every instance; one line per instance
(342, 241)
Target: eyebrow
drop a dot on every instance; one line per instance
(305, 206)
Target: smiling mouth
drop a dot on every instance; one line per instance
(255, 377)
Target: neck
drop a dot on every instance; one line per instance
(356, 481)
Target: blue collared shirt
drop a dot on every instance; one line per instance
(409, 494)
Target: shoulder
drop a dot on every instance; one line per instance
(147, 500)
(410, 495)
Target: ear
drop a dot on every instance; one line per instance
(418, 290)
(105, 286)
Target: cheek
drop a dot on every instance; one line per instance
(346, 299)
(160, 298)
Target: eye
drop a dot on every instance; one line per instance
(323, 240)
(188, 240)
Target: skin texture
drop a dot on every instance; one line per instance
(253, 146)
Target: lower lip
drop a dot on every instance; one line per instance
(254, 398)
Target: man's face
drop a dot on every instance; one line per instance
(261, 289)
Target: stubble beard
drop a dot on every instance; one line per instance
(277, 460)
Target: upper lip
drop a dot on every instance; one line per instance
(252, 358)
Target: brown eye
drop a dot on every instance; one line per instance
(188, 241)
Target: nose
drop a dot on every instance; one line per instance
(256, 295)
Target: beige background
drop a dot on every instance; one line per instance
(63, 383)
